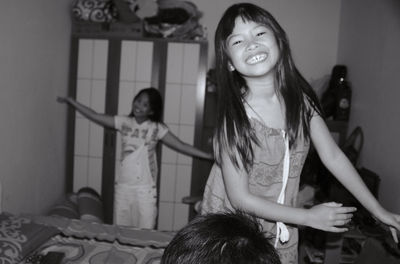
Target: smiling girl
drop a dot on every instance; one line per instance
(268, 115)
(135, 201)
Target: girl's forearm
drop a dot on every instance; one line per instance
(100, 119)
(175, 143)
(264, 208)
(195, 152)
(345, 172)
(84, 110)
(327, 216)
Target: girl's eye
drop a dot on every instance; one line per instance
(259, 34)
(236, 42)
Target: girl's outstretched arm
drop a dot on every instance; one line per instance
(175, 143)
(327, 216)
(339, 165)
(100, 119)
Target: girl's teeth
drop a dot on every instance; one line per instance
(256, 58)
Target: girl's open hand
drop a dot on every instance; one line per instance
(330, 217)
(393, 221)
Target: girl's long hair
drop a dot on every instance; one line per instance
(156, 103)
(233, 133)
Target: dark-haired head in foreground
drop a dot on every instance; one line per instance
(221, 238)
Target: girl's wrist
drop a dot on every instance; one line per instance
(379, 212)
(376, 209)
(306, 217)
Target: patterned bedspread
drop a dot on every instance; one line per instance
(96, 243)
(91, 251)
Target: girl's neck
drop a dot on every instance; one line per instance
(261, 89)
(140, 120)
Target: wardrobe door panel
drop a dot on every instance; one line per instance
(83, 93)
(182, 173)
(174, 63)
(96, 131)
(144, 62)
(127, 91)
(168, 155)
(186, 134)
(81, 146)
(190, 63)
(188, 104)
(136, 61)
(85, 59)
(96, 136)
(165, 216)
(97, 97)
(180, 116)
(90, 91)
(100, 51)
(172, 103)
(181, 216)
(80, 172)
(167, 181)
(128, 61)
(95, 167)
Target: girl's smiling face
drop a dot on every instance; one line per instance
(252, 49)
(141, 107)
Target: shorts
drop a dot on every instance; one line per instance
(135, 205)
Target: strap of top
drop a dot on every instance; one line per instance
(282, 233)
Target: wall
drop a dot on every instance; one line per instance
(369, 45)
(312, 27)
(33, 71)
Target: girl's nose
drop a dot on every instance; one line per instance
(252, 45)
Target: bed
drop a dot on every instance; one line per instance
(61, 237)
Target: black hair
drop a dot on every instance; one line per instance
(221, 238)
(155, 100)
(233, 132)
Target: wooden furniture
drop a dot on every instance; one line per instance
(343, 248)
(338, 130)
(352, 247)
(107, 68)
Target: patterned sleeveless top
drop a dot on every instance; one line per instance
(265, 179)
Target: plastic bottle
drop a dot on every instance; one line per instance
(329, 97)
(343, 100)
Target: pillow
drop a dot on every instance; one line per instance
(67, 208)
(19, 236)
(90, 205)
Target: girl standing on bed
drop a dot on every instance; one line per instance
(268, 117)
(135, 188)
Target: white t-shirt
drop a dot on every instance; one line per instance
(134, 135)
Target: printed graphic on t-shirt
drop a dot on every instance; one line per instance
(133, 138)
